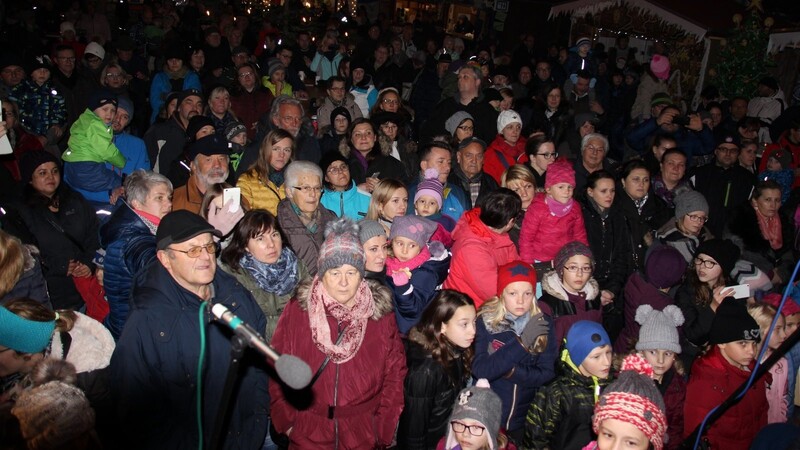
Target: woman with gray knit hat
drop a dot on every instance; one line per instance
(460, 125)
(343, 327)
(688, 230)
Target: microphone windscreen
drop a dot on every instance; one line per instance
(293, 371)
(218, 310)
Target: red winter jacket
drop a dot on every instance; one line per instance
(543, 234)
(674, 394)
(712, 380)
(500, 156)
(367, 391)
(477, 253)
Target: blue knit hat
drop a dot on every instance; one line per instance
(23, 335)
(583, 337)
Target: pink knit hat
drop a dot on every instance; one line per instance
(660, 66)
(559, 172)
(430, 186)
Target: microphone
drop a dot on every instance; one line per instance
(291, 369)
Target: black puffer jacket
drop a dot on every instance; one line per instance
(430, 392)
(610, 244)
(655, 213)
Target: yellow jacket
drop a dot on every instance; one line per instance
(259, 194)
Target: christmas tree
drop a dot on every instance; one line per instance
(744, 59)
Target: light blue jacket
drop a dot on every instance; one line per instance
(351, 203)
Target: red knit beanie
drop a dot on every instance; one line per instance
(512, 272)
(559, 172)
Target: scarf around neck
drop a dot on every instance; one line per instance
(150, 220)
(770, 229)
(557, 208)
(398, 269)
(600, 210)
(278, 278)
(352, 321)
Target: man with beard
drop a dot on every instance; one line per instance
(209, 158)
(165, 140)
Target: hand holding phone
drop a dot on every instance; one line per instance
(234, 194)
(740, 291)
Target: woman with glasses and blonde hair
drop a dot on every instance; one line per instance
(263, 184)
(300, 215)
(389, 200)
(520, 179)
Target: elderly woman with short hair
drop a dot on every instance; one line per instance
(594, 149)
(129, 238)
(301, 215)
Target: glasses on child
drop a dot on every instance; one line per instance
(578, 269)
(697, 218)
(211, 248)
(475, 430)
(707, 263)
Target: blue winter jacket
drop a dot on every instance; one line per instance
(135, 153)
(514, 373)
(411, 298)
(161, 86)
(351, 203)
(452, 204)
(693, 143)
(154, 367)
(130, 247)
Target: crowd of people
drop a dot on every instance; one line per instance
(470, 247)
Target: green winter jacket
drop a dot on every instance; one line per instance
(90, 140)
(560, 417)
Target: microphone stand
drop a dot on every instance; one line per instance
(238, 346)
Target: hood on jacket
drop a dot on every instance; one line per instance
(381, 296)
(91, 346)
(551, 283)
(470, 223)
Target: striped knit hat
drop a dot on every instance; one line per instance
(634, 399)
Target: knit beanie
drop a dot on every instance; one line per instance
(30, 161)
(416, 228)
(53, 414)
(125, 103)
(513, 272)
(634, 398)
(233, 129)
(660, 98)
(368, 229)
(481, 404)
(340, 111)
(732, 323)
(689, 202)
(196, 123)
(774, 300)
(456, 120)
(659, 329)
(101, 97)
(659, 65)
(274, 66)
(382, 117)
(583, 40)
(568, 251)
(583, 337)
(430, 186)
(506, 118)
(175, 51)
(341, 246)
(24, 335)
(38, 62)
(94, 48)
(582, 118)
(783, 157)
(664, 266)
(724, 252)
(328, 159)
(560, 171)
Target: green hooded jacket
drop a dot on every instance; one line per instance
(90, 140)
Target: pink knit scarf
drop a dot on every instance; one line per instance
(396, 268)
(771, 229)
(352, 320)
(557, 208)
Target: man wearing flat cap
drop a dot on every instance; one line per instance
(154, 367)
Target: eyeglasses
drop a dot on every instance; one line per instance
(246, 74)
(466, 128)
(577, 269)
(728, 149)
(475, 430)
(696, 218)
(548, 155)
(338, 169)
(113, 75)
(211, 248)
(707, 263)
(309, 189)
(337, 89)
(8, 113)
(391, 101)
(593, 149)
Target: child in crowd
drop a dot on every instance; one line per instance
(631, 412)
(777, 390)
(275, 81)
(570, 293)
(664, 268)
(428, 204)
(552, 220)
(779, 168)
(91, 147)
(418, 266)
(508, 148)
(660, 346)
(389, 200)
(515, 346)
(560, 416)
(733, 340)
(475, 422)
(236, 135)
(791, 316)
(43, 111)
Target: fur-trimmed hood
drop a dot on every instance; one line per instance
(551, 283)
(346, 150)
(381, 295)
(91, 346)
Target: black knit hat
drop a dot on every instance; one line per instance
(101, 97)
(732, 323)
(340, 111)
(724, 252)
(383, 117)
(329, 158)
(33, 159)
(196, 123)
